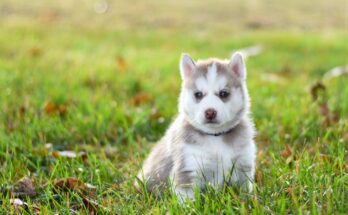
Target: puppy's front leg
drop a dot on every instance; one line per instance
(245, 168)
(184, 193)
(183, 183)
(245, 176)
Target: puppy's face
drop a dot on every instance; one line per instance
(213, 95)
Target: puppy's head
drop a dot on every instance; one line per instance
(214, 95)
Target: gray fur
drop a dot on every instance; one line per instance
(222, 69)
(167, 162)
(157, 168)
(160, 163)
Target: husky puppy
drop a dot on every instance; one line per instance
(211, 141)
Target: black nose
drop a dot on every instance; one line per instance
(210, 114)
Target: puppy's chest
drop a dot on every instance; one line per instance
(210, 155)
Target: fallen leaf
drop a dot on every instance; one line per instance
(316, 89)
(70, 154)
(22, 111)
(74, 184)
(121, 63)
(141, 98)
(290, 190)
(336, 72)
(70, 184)
(20, 205)
(325, 112)
(17, 202)
(318, 92)
(51, 108)
(287, 152)
(35, 51)
(91, 205)
(324, 158)
(24, 187)
(85, 190)
(340, 168)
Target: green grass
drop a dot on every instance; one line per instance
(120, 88)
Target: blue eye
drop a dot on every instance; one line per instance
(198, 95)
(223, 94)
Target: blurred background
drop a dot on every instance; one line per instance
(201, 16)
(110, 54)
(101, 77)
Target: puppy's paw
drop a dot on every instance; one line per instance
(184, 194)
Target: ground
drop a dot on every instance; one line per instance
(103, 85)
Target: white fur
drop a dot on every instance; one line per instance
(213, 161)
(237, 65)
(186, 66)
(225, 111)
(209, 159)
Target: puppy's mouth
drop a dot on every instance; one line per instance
(211, 122)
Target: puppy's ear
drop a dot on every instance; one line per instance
(187, 66)
(237, 65)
